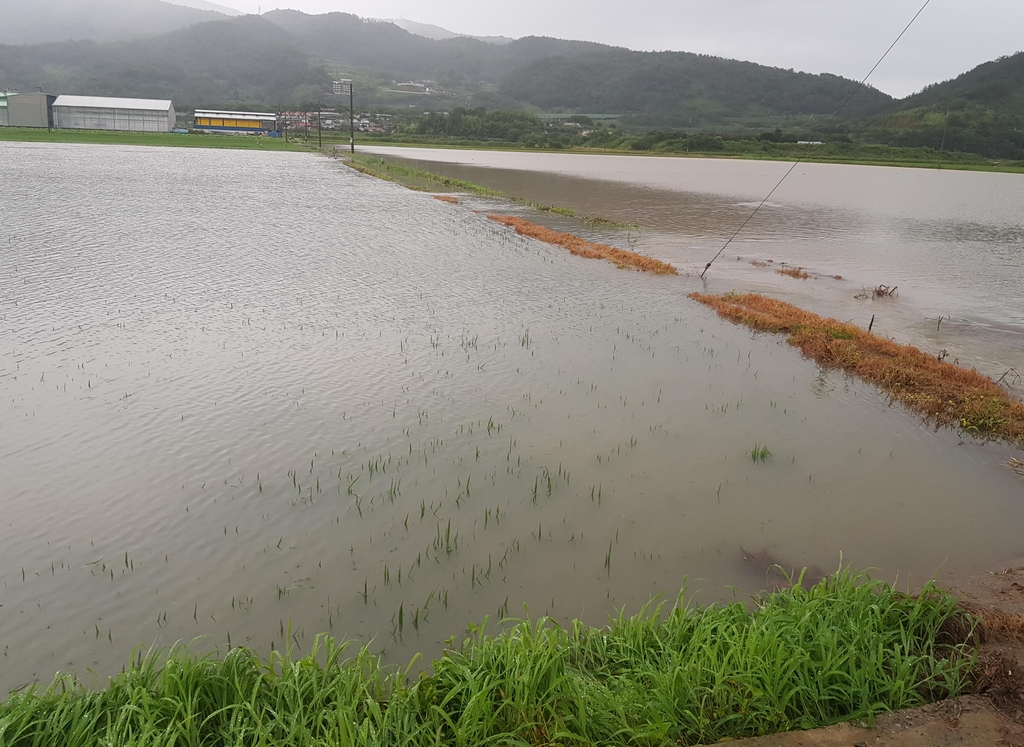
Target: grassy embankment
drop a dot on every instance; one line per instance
(427, 181)
(621, 258)
(166, 139)
(845, 648)
(944, 392)
(420, 179)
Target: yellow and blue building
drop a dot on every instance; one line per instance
(238, 123)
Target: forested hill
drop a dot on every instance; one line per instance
(981, 111)
(242, 61)
(670, 86)
(555, 73)
(994, 85)
(284, 58)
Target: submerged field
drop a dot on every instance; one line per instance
(867, 155)
(352, 409)
(839, 153)
(948, 394)
(951, 242)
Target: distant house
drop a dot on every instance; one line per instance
(104, 113)
(424, 88)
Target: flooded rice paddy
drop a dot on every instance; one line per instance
(257, 396)
(952, 241)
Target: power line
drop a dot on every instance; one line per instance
(808, 148)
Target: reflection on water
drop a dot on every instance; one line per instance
(257, 396)
(953, 241)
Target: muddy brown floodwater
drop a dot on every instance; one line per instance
(952, 241)
(258, 396)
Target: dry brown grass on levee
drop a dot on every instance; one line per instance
(447, 198)
(947, 393)
(582, 248)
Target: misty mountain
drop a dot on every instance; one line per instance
(207, 5)
(242, 61)
(285, 58)
(437, 33)
(675, 85)
(38, 21)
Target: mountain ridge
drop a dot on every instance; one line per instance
(437, 33)
(287, 58)
(207, 5)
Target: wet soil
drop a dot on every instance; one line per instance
(969, 721)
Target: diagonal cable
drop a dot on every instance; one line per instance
(808, 148)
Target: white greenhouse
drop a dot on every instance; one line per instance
(102, 113)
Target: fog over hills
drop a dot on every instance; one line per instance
(207, 5)
(437, 33)
(284, 58)
(40, 21)
(191, 65)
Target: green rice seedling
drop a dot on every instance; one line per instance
(760, 454)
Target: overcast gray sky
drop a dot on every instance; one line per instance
(845, 37)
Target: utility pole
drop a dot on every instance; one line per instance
(942, 147)
(319, 130)
(346, 85)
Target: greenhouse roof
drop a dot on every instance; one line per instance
(105, 102)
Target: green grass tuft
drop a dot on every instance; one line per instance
(163, 139)
(846, 648)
